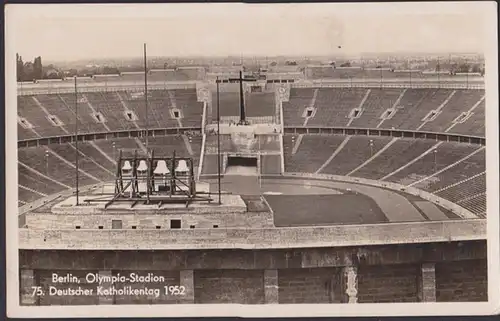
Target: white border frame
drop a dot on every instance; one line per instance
(277, 310)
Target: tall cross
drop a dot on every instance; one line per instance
(242, 101)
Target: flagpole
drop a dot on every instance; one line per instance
(76, 144)
(439, 72)
(242, 100)
(147, 120)
(260, 167)
(409, 67)
(146, 95)
(218, 139)
(467, 76)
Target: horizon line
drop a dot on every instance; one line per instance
(260, 56)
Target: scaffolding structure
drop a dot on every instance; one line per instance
(153, 180)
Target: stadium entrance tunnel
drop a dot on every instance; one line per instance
(242, 161)
(241, 166)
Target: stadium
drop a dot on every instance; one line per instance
(337, 185)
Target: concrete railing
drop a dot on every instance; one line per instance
(96, 86)
(130, 133)
(449, 83)
(91, 85)
(292, 237)
(401, 133)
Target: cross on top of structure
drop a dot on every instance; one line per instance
(240, 80)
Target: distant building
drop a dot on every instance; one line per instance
(52, 73)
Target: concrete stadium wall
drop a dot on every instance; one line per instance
(171, 277)
(388, 283)
(69, 221)
(311, 285)
(23, 210)
(43, 278)
(429, 272)
(462, 281)
(261, 238)
(375, 284)
(229, 286)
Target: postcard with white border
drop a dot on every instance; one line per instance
(252, 160)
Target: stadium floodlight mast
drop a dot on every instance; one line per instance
(218, 139)
(47, 162)
(438, 73)
(409, 67)
(76, 143)
(148, 192)
(260, 167)
(381, 77)
(46, 167)
(435, 160)
(466, 75)
(146, 95)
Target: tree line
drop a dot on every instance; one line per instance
(35, 70)
(28, 71)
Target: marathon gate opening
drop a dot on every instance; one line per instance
(242, 161)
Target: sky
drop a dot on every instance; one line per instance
(73, 32)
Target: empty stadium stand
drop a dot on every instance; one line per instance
(333, 106)
(259, 104)
(226, 144)
(354, 153)
(294, 109)
(373, 108)
(461, 101)
(443, 168)
(451, 170)
(431, 109)
(105, 111)
(35, 114)
(88, 123)
(309, 153)
(270, 164)
(229, 104)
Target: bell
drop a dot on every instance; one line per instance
(142, 166)
(161, 168)
(182, 167)
(126, 166)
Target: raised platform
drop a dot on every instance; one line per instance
(230, 204)
(257, 129)
(233, 212)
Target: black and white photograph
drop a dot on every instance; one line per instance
(252, 160)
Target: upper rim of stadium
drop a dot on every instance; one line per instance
(446, 104)
(292, 72)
